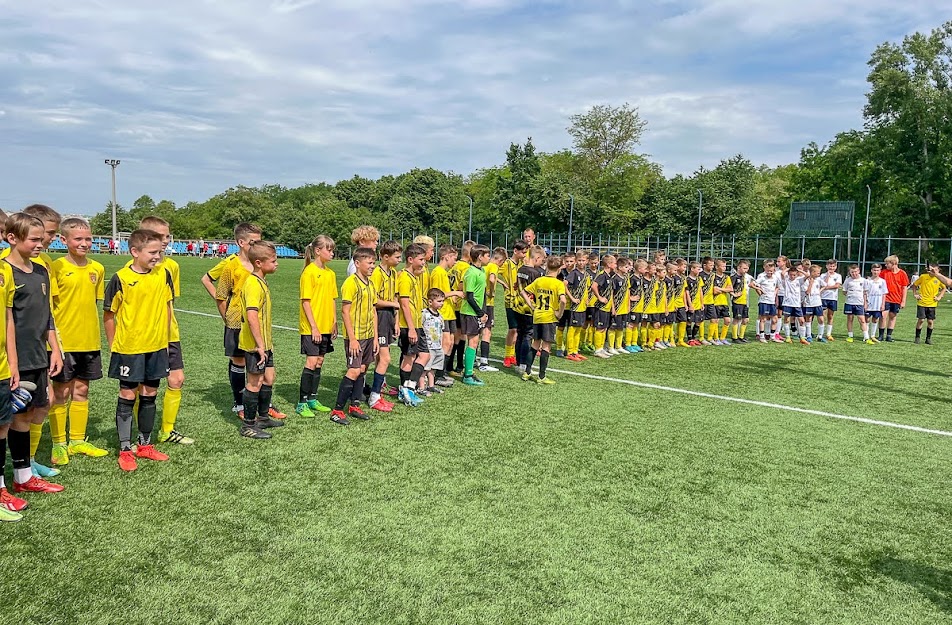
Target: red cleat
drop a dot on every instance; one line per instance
(508, 361)
(389, 391)
(355, 411)
(12, 502)
(37, 485)
(127, 461)
(274, 413)
(382, 405)
(149, 452)
(573, 358)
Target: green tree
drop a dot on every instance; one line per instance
(517, 197)
(604, 133)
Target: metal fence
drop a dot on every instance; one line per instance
(913, 253)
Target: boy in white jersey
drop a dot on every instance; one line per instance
(855, 286)
(831, 282)
(875, 302)
(767, 286)
(792, 302)
(812, 306)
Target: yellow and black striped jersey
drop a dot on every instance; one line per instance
(413, 289)
(707, 288)
(456, 275)
(621, 286)
(604, 282)
(360, 295)
(255, 295)
(509, 273)
(385, 283)
(721, 281)
(228, 289)
(578, 285)
(676, 296)
(694, 291)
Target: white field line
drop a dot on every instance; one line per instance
(683, 391)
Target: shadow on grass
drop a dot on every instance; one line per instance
(933, 583)
(895, 368)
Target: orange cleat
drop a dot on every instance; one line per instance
(37, 485)
(127, 461)
(11, 502)
(149, 452)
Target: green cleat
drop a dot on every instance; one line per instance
(86, 448)
(527, 377)
(175, 437)
(545, 381)
(9, 516)
(317, 406)
(60, 454)
(303, 410)
(472, 380)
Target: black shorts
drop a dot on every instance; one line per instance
(491, 314)
(422, 346)
(722, 312)
(450, 325)
(576, 319)
(40, 377)
(619, 321)
(925, 312)
(654, 317)
(892, 307)
(470, 325)
(667, 318)
(6, 409)
(310, 348)
(602, 319)
(697, 316)
(141, 368)
(512, 321)
(176, 363)
(710, 312)
(363, 359)
(386, 327)
(544, 332)
(254, 364)
(741, 311)
(231, 343)
(80, 365)
(590, 314)
(564, 319)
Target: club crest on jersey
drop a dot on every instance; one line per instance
(3, 281)
(94, 278)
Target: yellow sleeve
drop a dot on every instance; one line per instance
(307, 286)
(215, 272)
(349, 290)
(176, 285)
(252, 294)
(404, 285)
(225, 284)
(101, 283)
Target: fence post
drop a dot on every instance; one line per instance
(669, 242)
(733, 248)
(950, 256)
(756, 252)
(712, 244)
(919, 255)
(889, 245)
(835, 239)
(803, 246)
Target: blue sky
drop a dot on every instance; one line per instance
(198, 96)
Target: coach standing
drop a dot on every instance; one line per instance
(897, 283)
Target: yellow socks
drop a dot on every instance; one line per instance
(574, 339)
(78, 418)
(560, 339)
(702, 334)
(743, 330)
(724, 331)
(734, 331)
(510, 351)
(58, 423)
(36, 431)
(682, 332)
(599, 339)
(170, 408)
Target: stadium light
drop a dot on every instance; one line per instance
(470, 198)
(115, 230)
(869, 197)
(568, 245)
(700, 205)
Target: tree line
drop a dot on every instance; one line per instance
(902, 155)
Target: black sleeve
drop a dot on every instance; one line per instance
(112, 289)
(471, 300)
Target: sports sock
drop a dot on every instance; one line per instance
(264, 399)
(682, 332)
(820, 329)
(484, 351)
(78, 419)
(599, 340)
(724, 330)
(358, 392)
(560, 338)
(344, 392)
(644, 335)
(124, 422)
(315, 383)
(866, 333)
(379, 380)
(250, 400)
(734, 329)
(404, 376)
(889, 331)
(574, 339)
(849, 333)
(450, 359)
(510, 351)
(743, 330)
(786, 329)
(20, 455)
(873, 328)
(236, 377)
(918, 335)
(58, 423)
(619, 337)
(304, 390)
(530, 360)
(36, 432)
(146, 418)
(170, 408)
(610, 338)
(712, 332)
(928, 334)
(469, 361)
(416, 372)
(543, 363)
(829, 328)
(460, 353)
(3, 460)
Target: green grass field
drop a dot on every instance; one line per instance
(591, 501)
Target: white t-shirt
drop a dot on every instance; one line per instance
(811, 293)
(855, 289)
(876, 293)
(792, 294)
(769, 286)
(830, 279)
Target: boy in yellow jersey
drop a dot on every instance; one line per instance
(384, 281)
(508, 277)
(176, 380)
(473, 315)
(458, 273)
(636, 305)
(621, 284)
(679, 309)
(10, 505)
(440, 278)
(548, 305)
(38, 353)
(647, 286)
(357, 298)
(528, 273)
(317, 320)
(137, 317)
(655, 307)
(228, 298)
(561, 332)
(588, 339)
(255, 342)
(721, 288)
(707, 298)
(492, 278)
(80, 284)
(928, 291)
(667, 317)
(604, 293)
(694, 297)
(740, 283)
(576, 294)
(411, 289)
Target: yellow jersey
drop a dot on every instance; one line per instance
(456, 281)
(440, 279)
(509, 273)
(7, 289)
(255, 295)
(637, 291)
(75, 308)
(228, 289)
(385, 283)
(215, 272)
(319, 287)
(361, 297)
(621, 286)
(142, 304)
(722, 281)
(547, 294)
(492, 269)
(707, 288)
(175, 272)
(694, 291)
(676, 296)
(655, 297)
(604, 282)
(43, 259)
(578, 285)
(412, 288)
(929, 288)
(740, 288)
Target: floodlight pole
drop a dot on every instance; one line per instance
(568, 244)
(869, 197)
(700, 206)
(115, 230)
(470, 198)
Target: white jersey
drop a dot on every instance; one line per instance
(792, 294)
(827, 280)
(855, 289)
(876, 293)
(769, 287)
(811, 293)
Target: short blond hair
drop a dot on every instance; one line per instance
(422, 239)
(74, 223)
(364, 233)
(892, 259)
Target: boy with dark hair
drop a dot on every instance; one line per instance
(472, 316)
(548, 304)
(740, 283)
(440, 278)
(255, 342)
(831, 282)
(576, 293)
(492, 278)
(528, 273)
(928, 291)
(137, 318)
(411, 284)
(508, 277)
(10, 505)
(721, 289)
(360, 327)
(384, 281)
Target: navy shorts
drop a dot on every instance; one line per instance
(767, 310)
(874, 314)
(854, 309)
(813, 311)
(893, 307)
(792, 311)
(830, 304)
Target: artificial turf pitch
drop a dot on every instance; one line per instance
(590, 501)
